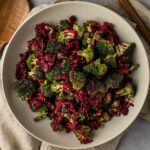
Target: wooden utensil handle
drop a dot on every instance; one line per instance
(136, 18)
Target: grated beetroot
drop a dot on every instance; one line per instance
(79, 79)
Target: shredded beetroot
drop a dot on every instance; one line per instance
(109, 32)
(76, 75)
(47, 62)
(72, 19)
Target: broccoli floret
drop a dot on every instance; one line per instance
(65, 24)
(36, 73)
(51, 75)
(115, 104)
(95, 68)
(46, 89)
(104, 47)
(83, 134)
(86, 129)
(110, 60)
(79, 29)
(113, 80)
(43, 113)
(56, 87)
(24, 88)
(128, 90)
(85, 39)
(124, 49)
(106, 116)
(66, 65)
(66, 95)
(81, 116)
(31, 61)
(90, 25)
(95, 87)
(96, 36)
(53, 47)
(77, 79)
(133, 67)
(88, 53)
(67, 35)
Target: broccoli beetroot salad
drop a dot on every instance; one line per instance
(76, 75)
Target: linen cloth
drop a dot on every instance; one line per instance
(14, 137)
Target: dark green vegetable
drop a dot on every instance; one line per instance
(36, 73)
(45, 88)
(53, 47)
(85, 39)
(95, 87)
(42, 113)
(104, 48)
(79, 29)
(31, 61)
(113, 80)
(24, 88)
(51, 75)
(77, 79)
(66, 65)
(125, 49)
(88, 53)
(128, 90)
(110, 60)
(65, 24)
(95, 68)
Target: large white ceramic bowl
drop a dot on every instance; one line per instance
(84, 11)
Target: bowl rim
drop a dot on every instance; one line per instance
(55, 5)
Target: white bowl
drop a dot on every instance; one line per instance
(84, 11)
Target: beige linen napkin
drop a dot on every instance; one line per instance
(14, 137)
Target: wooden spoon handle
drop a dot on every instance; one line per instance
(136, 18)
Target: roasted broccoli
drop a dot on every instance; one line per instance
(81, 116)
(42, 113)
(85, 39)
(128, 90)
(31, 61)
(53, 47)
(36, 73)
(110, 60)
(90, 25)
(104, 47)
(106, 116)
(83, 134)
(88, 53)
(65, 95)
(80, 30)
(65, 24)
(95, 86)
(24, 88)
(51, 75)
(95, 68)
(77, 79)
(124, 49)
(56, 87)
(113, 80)
(67, 35)
(133, 67)
(46, 89)
(66, 65)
